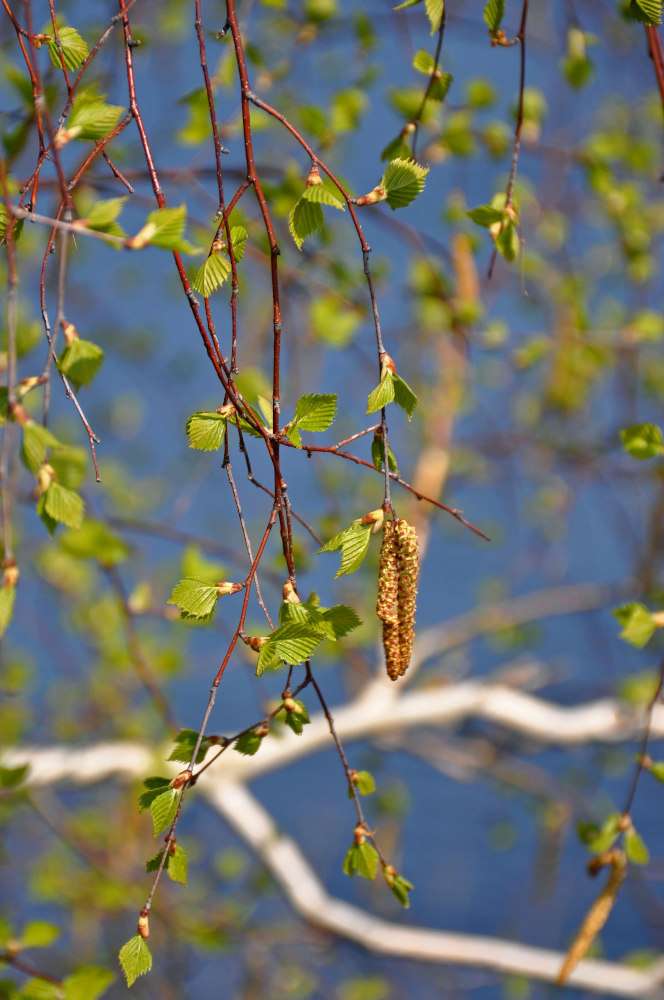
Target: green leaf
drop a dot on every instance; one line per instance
(135, 959)
(39, 934)
(486, 215)
(507, 242)
(94, 540)
(637, 622)
(423, 62)
(600, 839)
(339, 620)
(297, 720)
(185, 741)
(91, 118)
(11, 777)
(103, 215)
(493, 15)
(400, 886)
(378, 455)
(354, 545)
(212, 274)
(397, 149)
(74, 49)
(657, 770)
(168, 225)
(238, 242)
(319, 194)
(635, 848)
(434, 10)
(163, 808)
(195, 598)
(361, 859)
(404, 395)
(642, 440)
(206, 430)
(248, 744)
(268, 659)
(7, 600)
(646, 11)
(177, 866)
(305, 218)
(70, 465)
(61, 505)
(155, 786)
(36, 439)
(80, 361)
(382, 394)
(406, 3)
(312, 413)
(87, 983)
(402, 181)
(293, 642)
(365, 783)
(4, 223)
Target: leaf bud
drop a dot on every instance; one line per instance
(143, 926)
(378, 194)
(292, 706)
(256, 642)
(387, 366)
(38, 40)
(142, 237)
(218, 246)
(10, 576)
(289, 593)
(224, 588)
(228, 411)
(181, 779)
(70, 333)
(45, 477)
(360, 834)
(263, 730)
(376, 518)
(314, 178)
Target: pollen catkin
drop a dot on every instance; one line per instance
(397, 589)
(408, 567)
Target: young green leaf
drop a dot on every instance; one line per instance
(642, 440)
(297, 718)
(7, 599)
(645, 11)
(397, 149)
(354, 545)
(635, 847)
(361, 859)
(382, 394)
(657, 770)
(4, 224)
(339, 620)
(11, 777)
(91, 118)
(36, 439)
(177, 866)
(268, 659)
(312, 413)
(305, 218)
(507, 242)
(238, 242)
(39, 934)
(378, 454)
(163, 808)
(493, 15)
(195, 598)
(155, 786)
(600, 839)
(365, 783)
(135, 959)
(185, 741)
(167, 229)
(434, 10)
(103, 215)
(212, 274)
(486, 215)
(637, 622)
(74, 49)
(295, 643)
(404, 395)
(402, 181)
(400, 886)
(93, 540)
(248, 744)
(206, 430)
(318, 194)
(80, 361)
(61, 506)
(87, 983)
(406, 3)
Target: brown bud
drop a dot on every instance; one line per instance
(224, 588)
(314, 178)
(70, 333)
(360, 833)
(378, 194)
(142, 237)
(289, 593)
(387, 365)
(218, 246)
(228, 411)
(182, 779)
(10, 576)
(143, 926)
(263, 730)
(292, 706)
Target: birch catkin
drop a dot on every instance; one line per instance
(397, 589)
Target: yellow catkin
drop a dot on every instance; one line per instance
(408, 567)
(386, 604)
(397, 589)
(596, 916)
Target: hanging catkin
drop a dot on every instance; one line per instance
(397, 589)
